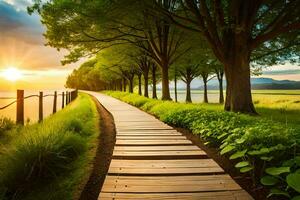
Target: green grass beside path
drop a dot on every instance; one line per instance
(264, 149)
(53, 159)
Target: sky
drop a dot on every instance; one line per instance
(22, 46)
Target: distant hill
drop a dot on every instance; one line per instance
(257, 83)
(268, 83)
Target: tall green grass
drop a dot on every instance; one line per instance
(258, 146)
(50, 160)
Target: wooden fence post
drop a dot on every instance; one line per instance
(76, 93)
(20, 107)
(41, 107)
(63, 100)
(70, 97)
(55, 102)
(67, 97)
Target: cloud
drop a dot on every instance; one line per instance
(19, 4)
(15, 22)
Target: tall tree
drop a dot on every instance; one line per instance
(238, 29)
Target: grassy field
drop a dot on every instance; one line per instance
(50, 160)
(277, 105)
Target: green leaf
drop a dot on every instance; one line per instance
(238, 154)
(223, 135)
(269, 180)
(246, 169)
(223, 145)
(293, 180)
(275, 191)
(259, 152)
(266, 158)
(240, 141)
(227, 149)
(242, 164)
(206, 143)
(275, 171)
(296, 197)
(297, 160)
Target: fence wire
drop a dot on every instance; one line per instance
(27, 97)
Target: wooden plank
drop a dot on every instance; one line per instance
(149, 134)
(141, 128)
(183, 166)
(159, 153)
(164, 163)
(152, 142)
(161, 148)
(169, 183)
(136, 137)
(163, 171)
(224, 195)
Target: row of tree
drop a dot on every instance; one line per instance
(110, 70)
(237, 32)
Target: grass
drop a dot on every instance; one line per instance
(281, 106)
(258, 145)
(50, 160)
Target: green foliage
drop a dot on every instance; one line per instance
(56, 149)
(256, 144)
(6, 124)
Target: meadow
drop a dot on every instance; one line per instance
(52, 159)
(278, 105)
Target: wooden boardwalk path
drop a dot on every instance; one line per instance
(151, 160)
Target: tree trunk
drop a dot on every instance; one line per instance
(175, 88)
(205, 100)
(165, 83)
(124, 84)
(121, 85)
(140, 83)
(221, 94)
(188, 98)
(131, 84)
(146, 81)
(238, 93)
(154, 95)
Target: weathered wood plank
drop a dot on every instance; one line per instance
(183, 166)
(150, 137)
(159, 153)
(224, 195)
(157, 148)
(164, 163)
(149, 134)
(169, 184)
(152, 142)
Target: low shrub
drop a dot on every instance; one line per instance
(256, 145)
(6, 124)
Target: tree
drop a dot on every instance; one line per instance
(87, 77)
(194, 61)
(154, 80)
(236, 30)
(188, 74)
(205, 71)
(87, 27)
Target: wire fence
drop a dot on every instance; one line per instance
(67, 97)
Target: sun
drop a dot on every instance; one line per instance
(12, 74)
